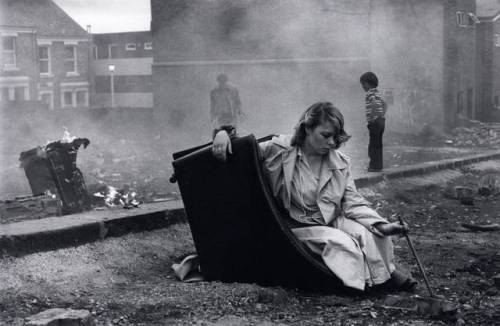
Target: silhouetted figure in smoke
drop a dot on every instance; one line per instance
(225, 104)
(375, 108)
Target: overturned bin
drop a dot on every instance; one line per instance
(51, 169)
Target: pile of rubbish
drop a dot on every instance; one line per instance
(476, 133)
(470, 133)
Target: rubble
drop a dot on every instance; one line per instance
(476, 133)
(60, 316)
(29, 207)
(464, 194)
(488, 186)
(482, 227)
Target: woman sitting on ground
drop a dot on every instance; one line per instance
(312, 180)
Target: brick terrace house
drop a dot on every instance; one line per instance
(488, 63)
(131, 55)
(425, 53)
(44, 55)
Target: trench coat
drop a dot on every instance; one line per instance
(347, 241)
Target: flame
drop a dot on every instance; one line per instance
(114, 197)
(67, 138)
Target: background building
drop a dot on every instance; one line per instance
(425, 52)
(488, 64)
(131, 55)
(44, 56)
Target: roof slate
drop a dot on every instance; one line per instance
(44, 15)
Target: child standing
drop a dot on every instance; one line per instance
(375, 108)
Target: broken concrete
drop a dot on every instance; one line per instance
(60, 316)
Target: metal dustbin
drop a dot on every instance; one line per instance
(52, 168)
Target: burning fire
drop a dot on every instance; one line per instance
(114, 197)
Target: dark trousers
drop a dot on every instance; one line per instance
(376, 129)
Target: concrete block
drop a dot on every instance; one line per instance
(60, 316)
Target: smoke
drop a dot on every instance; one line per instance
(281, 55)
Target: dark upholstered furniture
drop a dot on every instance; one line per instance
(240, 231)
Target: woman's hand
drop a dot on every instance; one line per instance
(392, 228)
(221, 146)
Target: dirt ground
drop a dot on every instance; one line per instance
(128, 280)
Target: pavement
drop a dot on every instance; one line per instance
(25, 237)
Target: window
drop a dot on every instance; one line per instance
(470, 102)
(44, 59)
(81, 98)
(4, 94)
(70, 58)
(130, 47)
(496, 102)
(460, 104)
(466, 19)
(71, 98)
(94, 52)
(46, 97)
(148, 46)
(14, 93)
(9, 51)
(112, 51)
(460, 18)
(67, 99)
(497, 40)
(20, 93)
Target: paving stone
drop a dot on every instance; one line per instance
(60, 316)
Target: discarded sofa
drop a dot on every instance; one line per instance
(239, 230)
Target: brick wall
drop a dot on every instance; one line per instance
(484, 70)
(459, 63)
(58, 72)
(26, 64)
(496, 67)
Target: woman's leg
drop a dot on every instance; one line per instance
(338, 250)
(378, 251)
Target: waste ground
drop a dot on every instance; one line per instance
(128, 280)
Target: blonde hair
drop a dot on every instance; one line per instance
(315, 115)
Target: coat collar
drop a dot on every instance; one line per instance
(336, 160)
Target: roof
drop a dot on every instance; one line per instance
(487, 8)
(44, 15)
(139, 36)
(492, 18)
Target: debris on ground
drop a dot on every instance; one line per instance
(476, 133)
(29, 207)
(488, 186)
(462, 193)
(482, 227)
(61, 316)
(112, 197)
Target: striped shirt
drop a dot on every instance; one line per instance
(375, 106)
